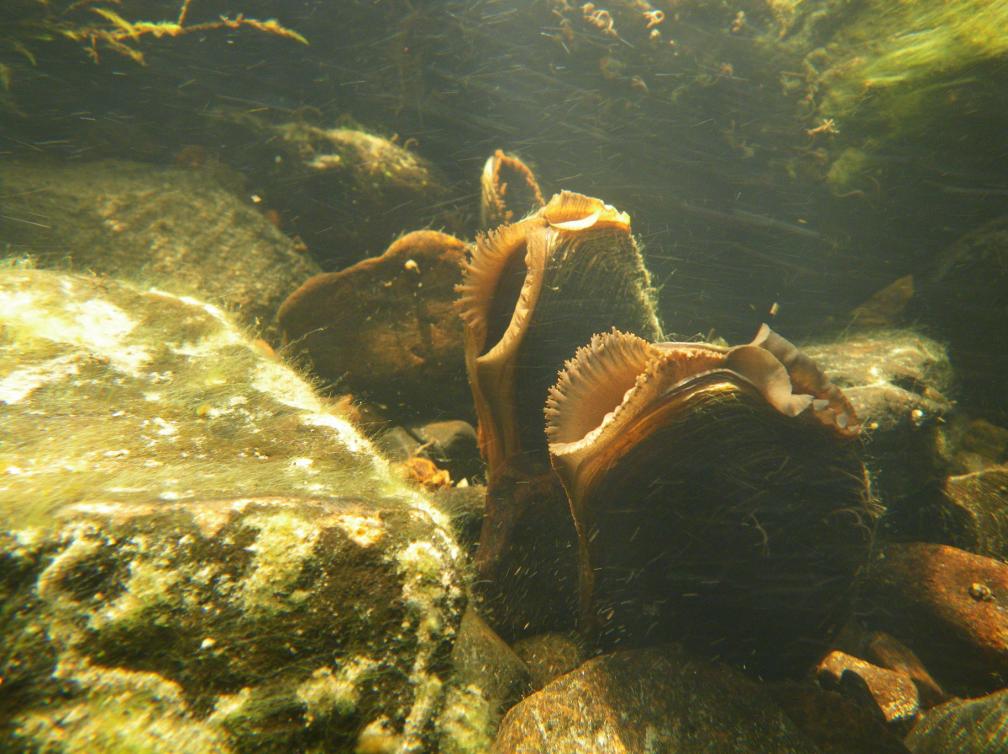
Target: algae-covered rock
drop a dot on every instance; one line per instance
(181, 230)
(488, 678)
(346, 191)
(966, 726)
(977, 507)
(898, 382)
(196, 554)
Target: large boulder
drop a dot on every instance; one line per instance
(195, 551)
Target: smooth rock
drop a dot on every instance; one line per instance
(491, 676)
(964, 300)
(654, 700)
(180, 230)
(480, 657)
(948, 605)
(452, 445)
(196, 553)
(963, 726)
(346, 192)
(397, 444)
(890, 693)
(386, 328)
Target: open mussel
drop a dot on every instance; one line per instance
(533, 291)
(717, 494)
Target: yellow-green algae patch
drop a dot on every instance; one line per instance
(467, 722)
(895, 57)
(121, 712)
(283, 544)
(149, 586)
(363, 530)
(330, 691)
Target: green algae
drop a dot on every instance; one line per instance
(898, 59)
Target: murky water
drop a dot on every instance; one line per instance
(361, 204)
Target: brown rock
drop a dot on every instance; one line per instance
(888, 652)
(836, 724)
(387, 326)
(480, 658)
(979, 506)
(890, 692)
(949, 605)
(453, 445)
(964, 726)
(548, 655)
(649, 700)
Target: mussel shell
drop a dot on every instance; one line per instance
(535, 291)
(720, 522)
(593, 279)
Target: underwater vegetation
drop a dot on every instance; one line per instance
(100, 25)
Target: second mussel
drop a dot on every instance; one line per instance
(718, 495)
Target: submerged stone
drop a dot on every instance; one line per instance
(181, 230)
(346, 191)
(891, 694)
(196, 552)
(898, 382)
(964, 300)
(978, 505)
(965, 726)
(386, 328)
(835, 723)
(947, 605)
(649, 700)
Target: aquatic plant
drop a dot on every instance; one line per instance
(97, 26)
(894, 56)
